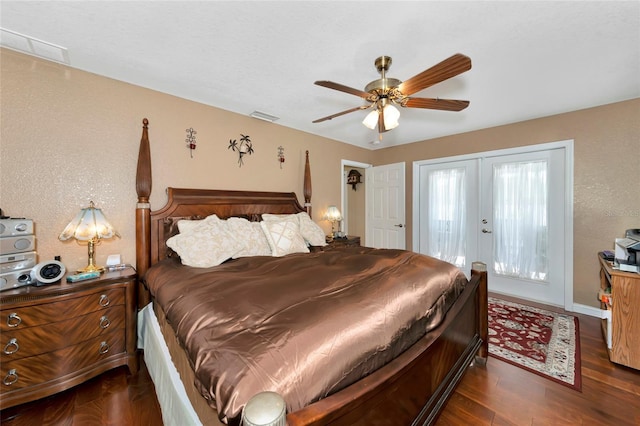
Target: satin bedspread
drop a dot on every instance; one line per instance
(302, 325)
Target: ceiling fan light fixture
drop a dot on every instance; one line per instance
(371, 120)
(391, 116)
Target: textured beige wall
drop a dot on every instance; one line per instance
(606, 168)
(68, 137)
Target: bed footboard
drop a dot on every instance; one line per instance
(413, 388)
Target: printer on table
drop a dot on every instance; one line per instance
(626, 253)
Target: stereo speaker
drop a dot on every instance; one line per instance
(48, 272)
(19, 244)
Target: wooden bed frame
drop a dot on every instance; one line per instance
(412, 389)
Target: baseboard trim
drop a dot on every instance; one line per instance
(588, 310)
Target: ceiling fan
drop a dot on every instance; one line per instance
(383, 93)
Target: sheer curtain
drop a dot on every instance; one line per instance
(520, 214)
(447, 212)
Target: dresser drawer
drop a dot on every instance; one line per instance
(34, 315)
(30, 341)
(25, 372)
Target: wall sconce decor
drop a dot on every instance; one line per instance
(353, 178)
(191, 140)
(91, 226)
(280, 155)
(245, 147)
(333, 215)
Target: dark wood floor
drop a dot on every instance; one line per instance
(495, 394)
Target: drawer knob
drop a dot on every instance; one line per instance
(11, 377)
(12, 347)
(13, 320)
(104, 300)
(104, 322)
(104, 348)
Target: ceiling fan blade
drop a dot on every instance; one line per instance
(434, 103)
(338, 114)
(450, 67)
(343, 88)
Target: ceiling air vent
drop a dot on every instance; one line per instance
(32, 46)
(263, 116)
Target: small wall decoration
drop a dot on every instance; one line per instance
(280, 155)
(244, 147)
(191, 140)
(353, 178)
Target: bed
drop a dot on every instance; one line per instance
(407, 381)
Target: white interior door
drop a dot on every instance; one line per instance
(385, 199)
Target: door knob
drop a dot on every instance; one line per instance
(399, 225)
(485, 231)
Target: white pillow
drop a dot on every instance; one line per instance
(284, 237)
(278, 217)
(251, 235)
(206, 244)
(186, 225)
(311, 231)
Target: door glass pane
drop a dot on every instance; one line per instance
(447, 216)
(520, 220)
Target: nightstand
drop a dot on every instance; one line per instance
(57, 336)
(348, 241)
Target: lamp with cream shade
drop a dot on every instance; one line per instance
(89, 225)
(333, 215)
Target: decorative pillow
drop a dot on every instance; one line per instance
(279, 217)
(284, 237)
(251, 235)
(206, 244)
(186, 225)
(311, 231)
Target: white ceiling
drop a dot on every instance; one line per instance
(530, 59)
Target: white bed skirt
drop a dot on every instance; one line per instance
(172, 396)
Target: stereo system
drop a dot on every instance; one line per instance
(18, 258)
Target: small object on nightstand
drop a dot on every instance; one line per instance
(346, 241)
(82, 276)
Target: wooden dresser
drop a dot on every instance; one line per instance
(57, 336)
(620, 297)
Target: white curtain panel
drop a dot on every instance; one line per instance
(520, 192)
(447, 213)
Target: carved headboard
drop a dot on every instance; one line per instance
(154, 228)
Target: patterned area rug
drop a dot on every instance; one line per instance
(543, 342)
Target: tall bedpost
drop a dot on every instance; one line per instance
(143, 211)
(307, 184)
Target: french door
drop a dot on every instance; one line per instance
(505, 209)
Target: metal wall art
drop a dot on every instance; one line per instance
(191, 140)
(245, 147)
(280, 155)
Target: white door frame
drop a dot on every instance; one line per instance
(567, 145)
(343, 196)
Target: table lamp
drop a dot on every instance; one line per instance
(333, 215)
(89, 225)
